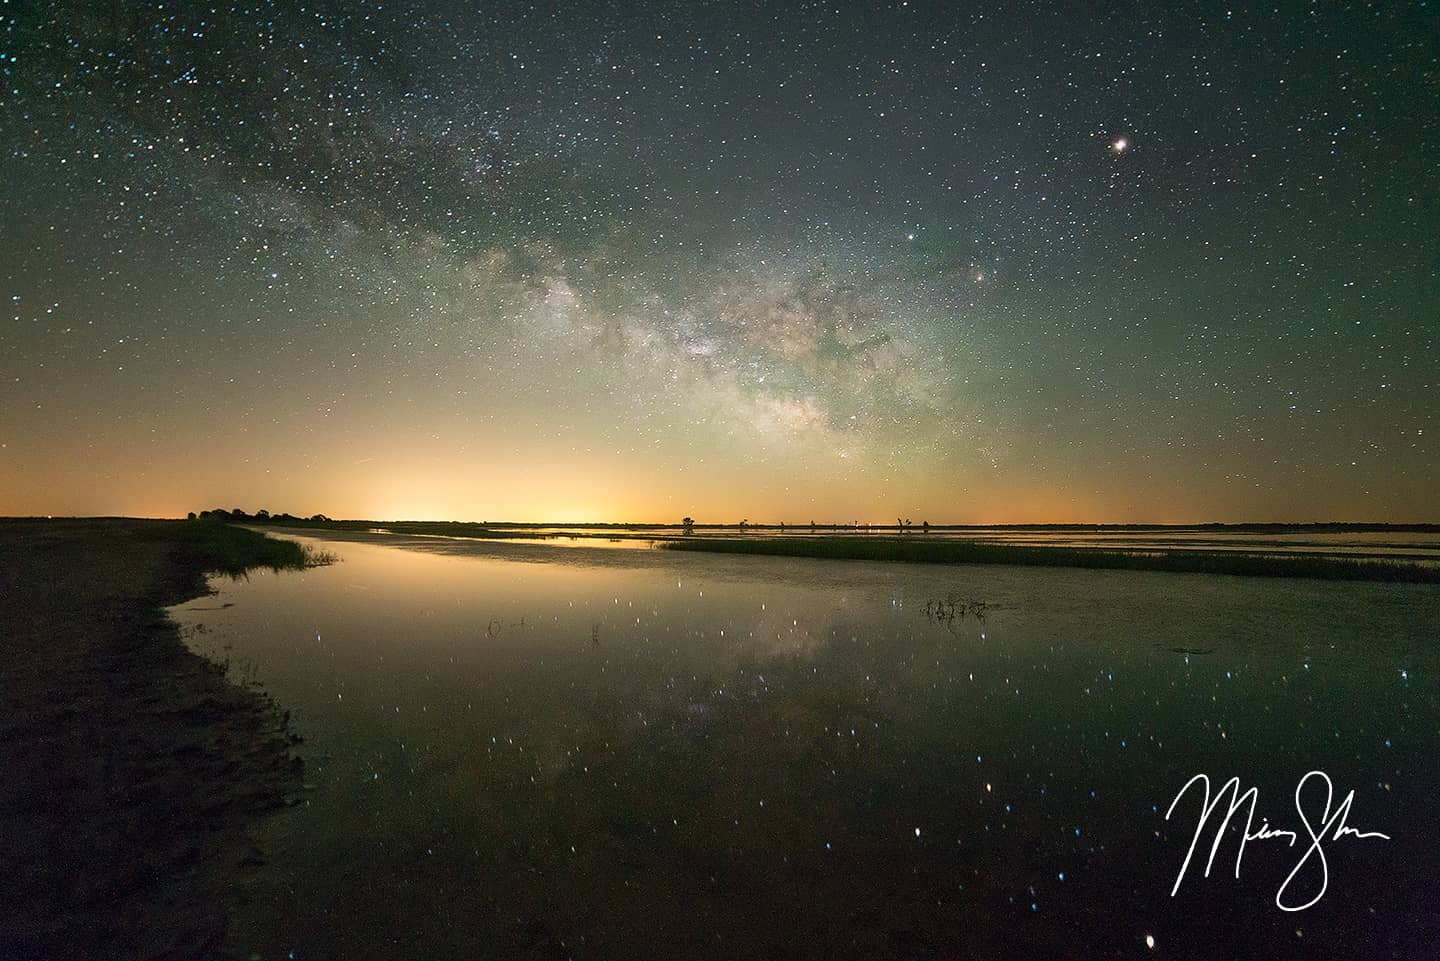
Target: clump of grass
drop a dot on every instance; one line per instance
(918, 550)
(318, 558)
(951, 608)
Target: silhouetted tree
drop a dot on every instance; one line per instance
(190, 516)
(262, 515)
(688, 524)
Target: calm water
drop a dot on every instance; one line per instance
(521, 751)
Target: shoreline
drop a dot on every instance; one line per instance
(920, 548)
(135, 765)
(915, 549)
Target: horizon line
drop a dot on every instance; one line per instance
(746, 524)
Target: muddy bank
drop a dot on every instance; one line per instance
(133, 767)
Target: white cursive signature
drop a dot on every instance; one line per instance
(1331, 827)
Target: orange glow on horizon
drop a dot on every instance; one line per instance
(794, 484)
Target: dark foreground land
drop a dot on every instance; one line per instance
(132, 766)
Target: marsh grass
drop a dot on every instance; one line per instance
(318, 558)
(918, 550)
(219, 547)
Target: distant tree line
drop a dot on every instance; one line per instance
(261, 516)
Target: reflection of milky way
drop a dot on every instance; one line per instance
(751, 260)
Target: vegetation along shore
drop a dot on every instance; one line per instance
(922, 550)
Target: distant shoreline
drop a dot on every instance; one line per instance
(940, 546)
(498, 528)
(916, 549)
(934, 545)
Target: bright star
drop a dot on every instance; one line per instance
(1120, 145)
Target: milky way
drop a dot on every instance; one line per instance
(1017, 263)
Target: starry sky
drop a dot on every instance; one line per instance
(972, 263)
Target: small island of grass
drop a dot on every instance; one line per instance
(918, 549)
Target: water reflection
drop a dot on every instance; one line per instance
(517, 751)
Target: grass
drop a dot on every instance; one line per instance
(216, 546)
(916, 549)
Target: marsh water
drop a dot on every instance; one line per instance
(519, 750)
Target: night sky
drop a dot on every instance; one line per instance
(966, 263)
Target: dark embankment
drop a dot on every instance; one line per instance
(133, 767)
(917, 549)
